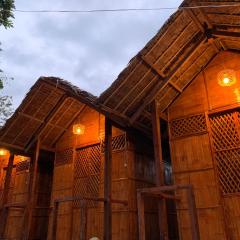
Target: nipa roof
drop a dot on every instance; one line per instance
(185, 44)
(47, 112)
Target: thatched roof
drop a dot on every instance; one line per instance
(186, 43)
(47, 112)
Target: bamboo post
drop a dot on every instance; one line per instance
(7, 184)
(83, 219)
(108, 180)
(159, 167)
(31, 192)
(55, 216)
(141, 219)
(193, 214)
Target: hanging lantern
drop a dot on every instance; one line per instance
(78, 129)
(3, 152)
(227, 77)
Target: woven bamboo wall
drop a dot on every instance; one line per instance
(79, 170)
(18, 193)
(197, 133)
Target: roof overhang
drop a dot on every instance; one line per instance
(184, 46)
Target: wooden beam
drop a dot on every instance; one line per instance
(195, 75)
(159, 168)
(161, 84)
(151, 66)
(14, 149)
(15, 119)
(131, 90)
(193, 214)
(31, 192)
(108, 180)
(121, 84)
(195, 19)
(5, 195)
(69, 124)
(197, 22)
(141, 217)
(176, 87)
(46, 120)
(141, 94)
(221, 34)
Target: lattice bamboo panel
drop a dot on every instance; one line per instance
(64, 157)
(188, 126)
(224, 131)
(228, 164)
(118, 143)
(23, 166)
(87, 174)
(226, 145)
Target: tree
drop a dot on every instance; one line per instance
(6, 13)
(6, 16)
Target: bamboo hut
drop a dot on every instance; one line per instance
(156, 156)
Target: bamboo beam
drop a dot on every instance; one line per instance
(176, 87)
(141, 94)
(220, 34)
(159, 168)
(69, 124)
(108, 180)
(151, 66)
(4, 201)
(46, 120)
(31, 192)
(131, 90)
(195, 75)
(197, 22)
(14, 149)
(161, 84)
(141, 217)
(121, 84)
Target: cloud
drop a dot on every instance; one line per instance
(89, 50)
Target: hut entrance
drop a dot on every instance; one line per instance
(225, 133)
(40, 219)
(86, 184)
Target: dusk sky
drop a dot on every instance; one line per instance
(88, 49)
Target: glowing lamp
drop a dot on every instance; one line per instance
(3, 152)
(78, 129)
(227, 78)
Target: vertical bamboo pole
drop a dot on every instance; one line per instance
(141, 219)
(31, 192)
(108, 180)
(55, 216)
(7, 184)
(159, 167)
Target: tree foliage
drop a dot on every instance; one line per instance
(6, 13)
(6, 16)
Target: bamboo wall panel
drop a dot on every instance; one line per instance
(193, 157)
(61, 188)
(192, 101)
(192, 163)
(79, 168)
(18, 194)
(232, 208)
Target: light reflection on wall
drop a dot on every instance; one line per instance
(237, 93)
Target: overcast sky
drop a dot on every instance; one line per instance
(89, 50)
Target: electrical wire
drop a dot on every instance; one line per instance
(127, 9)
